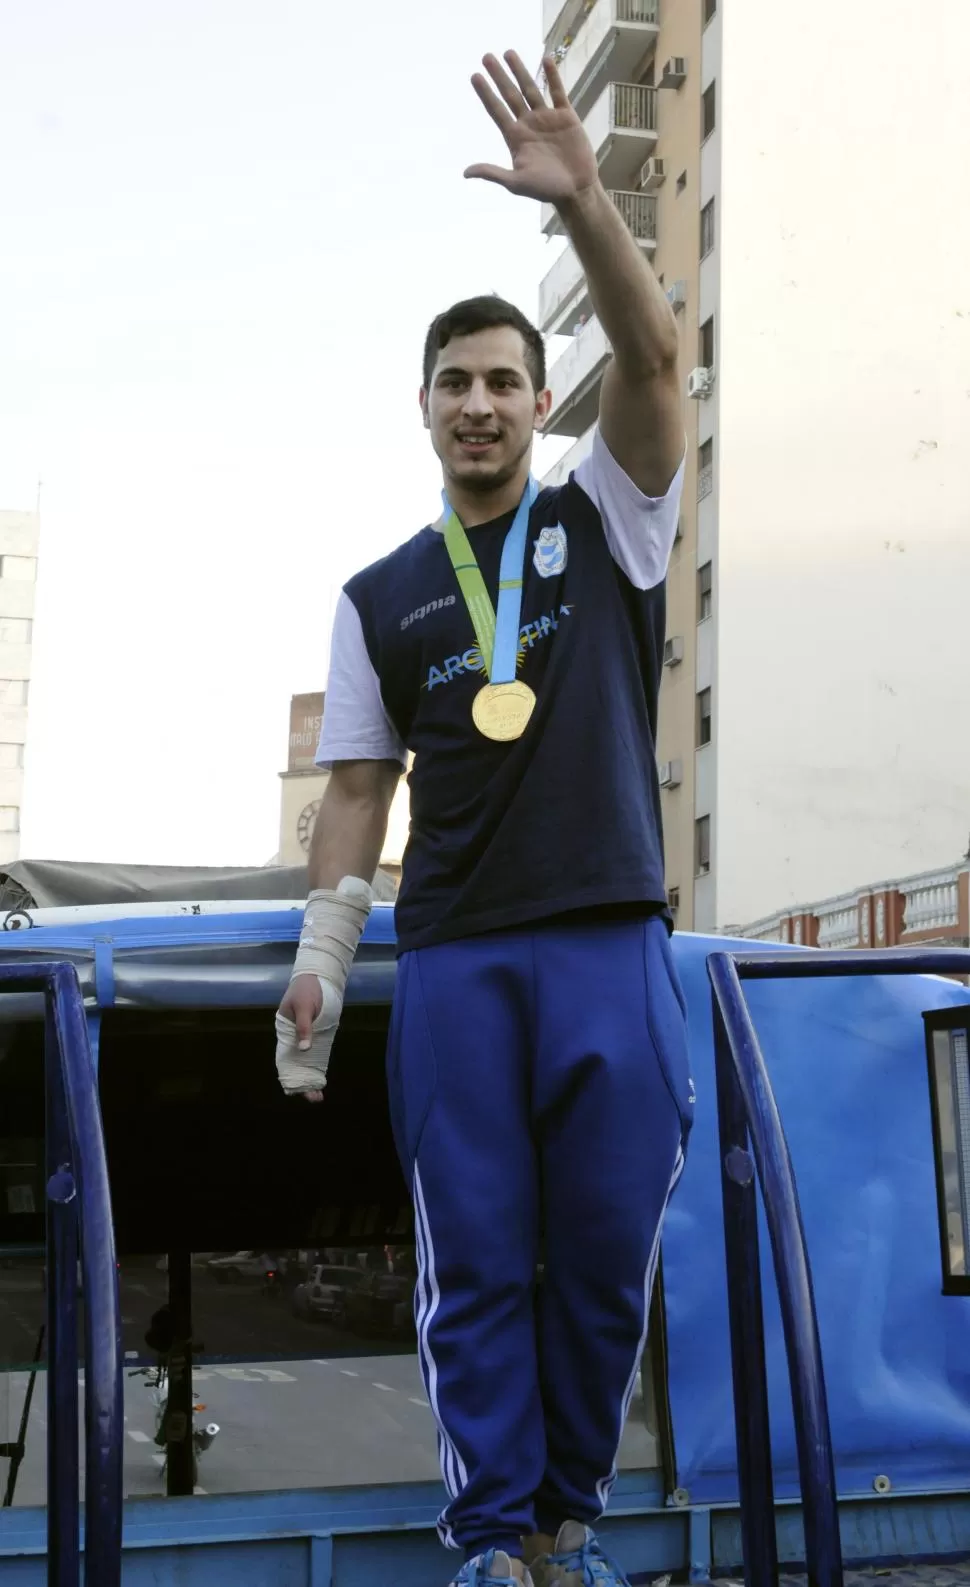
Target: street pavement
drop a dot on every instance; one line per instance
(307, 1407)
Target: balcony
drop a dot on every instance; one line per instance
(560, 18)
(622, 127)
(574, 381)
(610, 42)
(564, 296)
(560, 472)
(838, 923)
(931, 903)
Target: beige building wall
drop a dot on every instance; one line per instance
(19, 542)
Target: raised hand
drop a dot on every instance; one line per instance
(552, 158)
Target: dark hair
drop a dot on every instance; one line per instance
(482, 314)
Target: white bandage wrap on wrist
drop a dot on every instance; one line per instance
(332, 928)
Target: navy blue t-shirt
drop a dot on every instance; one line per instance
(566, 818)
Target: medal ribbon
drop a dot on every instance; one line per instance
(497, 632)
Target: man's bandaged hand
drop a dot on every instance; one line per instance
(309, 1014)
(306, 1025)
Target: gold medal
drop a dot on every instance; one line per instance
(501, 711)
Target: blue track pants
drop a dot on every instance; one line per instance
(539, 1079)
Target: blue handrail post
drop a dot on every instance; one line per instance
(103, 1375)
(746, 1317)
(63, 1531)
(78, 1212)
(823, 1552)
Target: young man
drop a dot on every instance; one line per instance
(537, 1062)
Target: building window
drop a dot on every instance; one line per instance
(705, 469)
(11, 756)
(705, 595)
(707, 229)
(704, 729)
(708, 111)
(9, 818)
(15, 630)
(21, 569)
(705, 343)
(673, 899)
(702, 846)
(681, 182)
(710, 11)
(13, 691)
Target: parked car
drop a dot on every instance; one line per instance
(323, 1297)
(382, 1306)
(243, 1267)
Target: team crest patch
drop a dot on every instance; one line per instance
(551, 552)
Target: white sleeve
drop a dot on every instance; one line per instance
(640, 530)
(355, 723)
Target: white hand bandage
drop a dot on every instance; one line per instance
(332, 928)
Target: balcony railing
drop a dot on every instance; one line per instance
(773, 930)
(838, 925)
(639, 210)
(633, 106)
(622, 127)
(931, 903)
(564, 281)
(890, 912)
(608, 41)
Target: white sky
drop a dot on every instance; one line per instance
(225, 229)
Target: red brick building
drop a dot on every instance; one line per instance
(933, 907)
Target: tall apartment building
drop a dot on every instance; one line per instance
(795, 193)
(19, 540)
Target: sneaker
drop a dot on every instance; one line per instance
(495, 1568)
(576, 1561)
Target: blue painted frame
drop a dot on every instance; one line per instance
(752, 1139)
(361, 1537)
(78, 1205)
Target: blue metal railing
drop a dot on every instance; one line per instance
(748, 1117)
(78, 1204)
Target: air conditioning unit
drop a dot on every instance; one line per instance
(677, 294)
(652, 174)
(674, 72)
(700, 383)
(671, 773)
(673, 651)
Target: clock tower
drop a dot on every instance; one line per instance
(302, 787)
